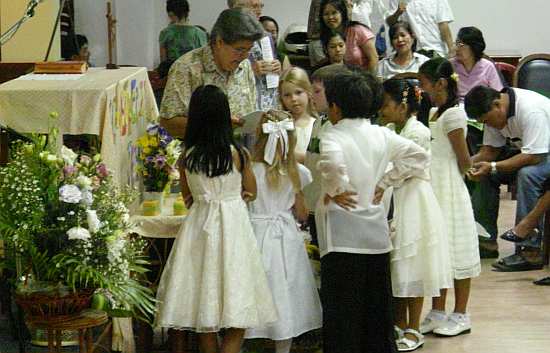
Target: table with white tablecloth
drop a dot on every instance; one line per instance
(115, 105)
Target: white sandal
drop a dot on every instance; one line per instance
(407, 345)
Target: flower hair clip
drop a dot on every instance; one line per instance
(454, 77)
(418, 94)
(405, 96)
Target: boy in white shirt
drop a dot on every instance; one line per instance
(353, 232)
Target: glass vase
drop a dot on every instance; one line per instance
(152, 203)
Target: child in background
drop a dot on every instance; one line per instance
(335, 48)
(420, 265)
(280, 180)
(450, 161)
(295, 94)
(214, 278)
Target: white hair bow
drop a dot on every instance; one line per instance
(276, 130)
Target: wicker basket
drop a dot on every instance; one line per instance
(42, 306)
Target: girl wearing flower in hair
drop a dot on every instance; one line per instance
(420, 265)
(214, 277)
(280, 180)
(450, 161)
(295, 94)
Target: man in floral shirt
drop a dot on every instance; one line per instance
(221, 63)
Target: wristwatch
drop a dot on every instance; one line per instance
(493, 168)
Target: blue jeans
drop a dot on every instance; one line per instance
(486, 197)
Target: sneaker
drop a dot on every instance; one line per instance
(457, 324)
(433, 320)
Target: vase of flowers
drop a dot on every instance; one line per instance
(66, 227)
(157, 157)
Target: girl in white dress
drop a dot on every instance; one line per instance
(450, 161)
(214, 277)
(295, 93)
(420, 265)
(280, 181)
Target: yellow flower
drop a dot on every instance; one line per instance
(153, 142)
(143, 141)
(146, 150)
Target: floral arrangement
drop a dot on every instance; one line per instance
(65, 222)
(158, 154)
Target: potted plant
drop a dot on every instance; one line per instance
(65, 225)
(157, 157)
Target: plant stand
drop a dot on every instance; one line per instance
(82, 322)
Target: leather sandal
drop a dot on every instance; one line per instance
(543, 281)
(510, 235)
(407, 345)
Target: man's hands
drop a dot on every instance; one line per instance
(263, 67)
(479, 170)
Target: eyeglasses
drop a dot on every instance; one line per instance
(240, 50)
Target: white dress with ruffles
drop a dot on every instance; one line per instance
(420, 264)
(214, 277)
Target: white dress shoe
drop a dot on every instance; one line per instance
(407, 345)
(457, 324)
(433, 320)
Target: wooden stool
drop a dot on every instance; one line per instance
(82, 322)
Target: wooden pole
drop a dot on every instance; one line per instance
(111, 22)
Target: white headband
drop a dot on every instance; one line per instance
(276, 130)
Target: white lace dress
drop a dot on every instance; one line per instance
(285, 259)
(452, 195)
(420, 264)
(214, 277)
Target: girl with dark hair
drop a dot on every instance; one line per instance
(215, 254)
(470, 65)
(406, 59)
(420, 265)
(179, 37)
(360, 40)
(450, 161)
(335, 48)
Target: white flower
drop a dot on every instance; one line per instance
(174, 174)
(93, 221)
(78, 233)
(68, 155)
(51, 158)
(84, 182)
(126, 218)
(87, 198)
(70, 194)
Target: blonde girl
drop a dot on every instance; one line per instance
(280, 180)
(295, 95)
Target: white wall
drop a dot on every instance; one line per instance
(508, 25)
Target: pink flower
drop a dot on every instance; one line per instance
(69, 170)
(101, 169)
(85, 160)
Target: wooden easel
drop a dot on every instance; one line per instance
(111, 34)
